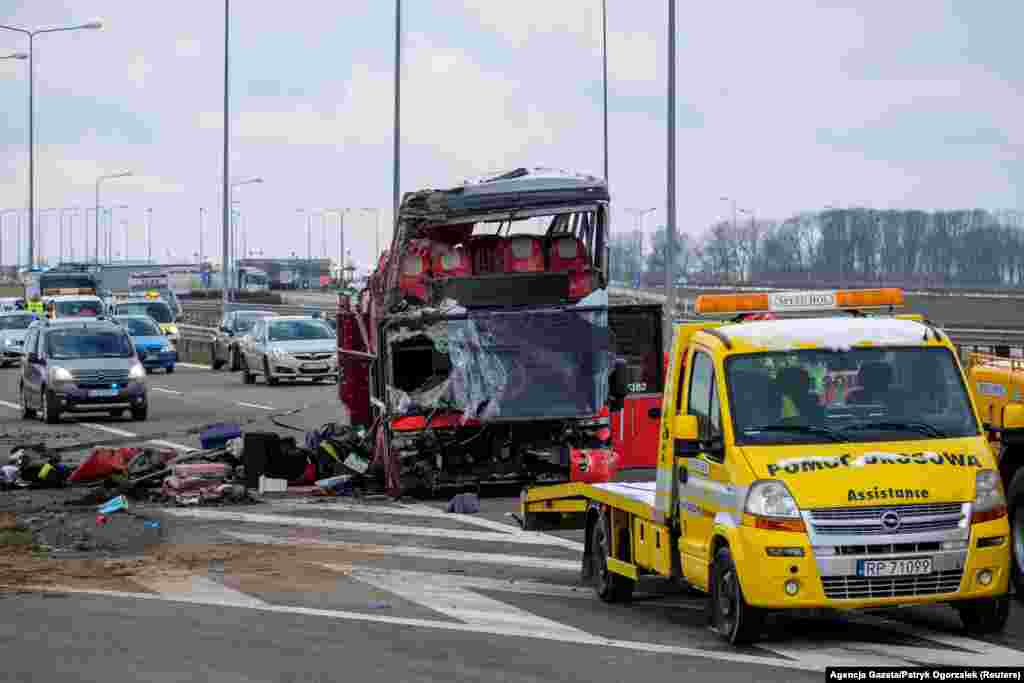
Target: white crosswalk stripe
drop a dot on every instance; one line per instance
(491, 577)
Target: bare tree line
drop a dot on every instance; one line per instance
(839, 247)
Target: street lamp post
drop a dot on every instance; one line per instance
(202, 217)
(99, 181)
(638, 217)
(149, 235)
(229, 187)
(604, 79)
(398, 104)
(71, 242)
(670, 221)
(93, 25)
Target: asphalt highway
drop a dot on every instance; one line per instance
(377, 590)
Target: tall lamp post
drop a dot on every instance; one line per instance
(376, 234)
(228, 208)
(670, 200)
(99, 181)
(604, 78)
(71, 242)
(92, 25)
(398, 105)
(638, 217)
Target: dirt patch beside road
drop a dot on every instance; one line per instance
(244, 567)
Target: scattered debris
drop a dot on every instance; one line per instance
(113, 505)
(464, 503)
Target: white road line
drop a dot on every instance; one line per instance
(131, 435)
(996, 655)
(426, 510)
(253, 405)
(465, 582)
(560, 636)
(449, 598)
(459, 557)
(166, 391)
(211, 591)
(366, 527)
(110, 430)
(194, 366)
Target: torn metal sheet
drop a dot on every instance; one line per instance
(514, 364)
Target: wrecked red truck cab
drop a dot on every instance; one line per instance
(482, 349)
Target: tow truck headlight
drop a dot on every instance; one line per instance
(773, 507)
(989, 500)
(62, 375)
(137, 371)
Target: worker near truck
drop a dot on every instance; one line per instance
(767, 504)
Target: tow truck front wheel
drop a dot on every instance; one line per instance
(1015, 496)
(984, 616)
(731, 616)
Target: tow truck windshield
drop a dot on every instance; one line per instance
(864, 395)
(78, 309)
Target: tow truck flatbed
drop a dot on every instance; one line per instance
(540, 504)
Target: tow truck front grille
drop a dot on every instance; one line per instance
(913, 519)
(888, 548)
(856, 587)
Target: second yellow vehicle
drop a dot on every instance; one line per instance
(830, 458)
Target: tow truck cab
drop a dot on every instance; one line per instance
(776, 493)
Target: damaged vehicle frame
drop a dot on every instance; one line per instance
(494, 353)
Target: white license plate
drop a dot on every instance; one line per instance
(899, 567)
(321, 367)
(102, 393)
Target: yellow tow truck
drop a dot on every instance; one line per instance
(775, 492)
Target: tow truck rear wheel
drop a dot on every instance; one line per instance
(1015, 498)
(731, 616)
(984, 616)
(609, 586)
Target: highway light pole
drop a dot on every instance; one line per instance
(396, 200)
(670, 221)
(341, 237)
(60, 255)
(92, 25)
(99, 181)
(604, 79)
(229, 242)
(149, 235)
(202, 217)
(376, 233)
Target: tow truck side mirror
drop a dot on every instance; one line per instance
(686, 436)
(1013, 416)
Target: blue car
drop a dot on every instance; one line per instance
(154, 348)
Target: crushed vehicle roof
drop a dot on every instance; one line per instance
(519, 189)
(827, 333)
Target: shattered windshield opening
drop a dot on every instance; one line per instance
(503, 365)
(863, 395)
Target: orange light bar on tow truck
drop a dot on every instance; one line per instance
(811, 300)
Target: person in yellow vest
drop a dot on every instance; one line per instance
(797, 399)
(35, 304)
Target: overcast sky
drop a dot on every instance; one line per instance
(785, 106)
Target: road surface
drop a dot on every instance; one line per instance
(311, 591)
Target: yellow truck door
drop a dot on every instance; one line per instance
(703, 477)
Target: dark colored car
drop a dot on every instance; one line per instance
(86, 365)
(234, 326)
